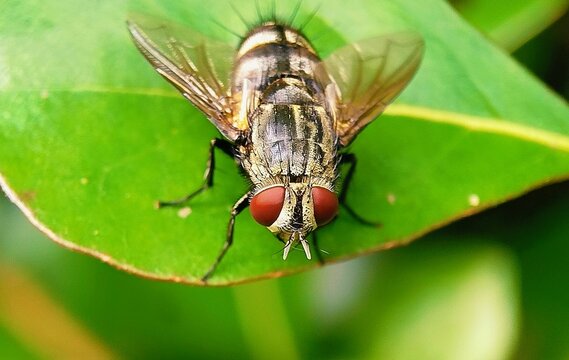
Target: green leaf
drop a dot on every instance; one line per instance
(91, 137)
(511, 23)
(12, 348)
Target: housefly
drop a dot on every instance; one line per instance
(285, 114)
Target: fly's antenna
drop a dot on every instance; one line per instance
(292, 17)
(305, 246)
(309, 18)
(292, 248)
(288, 246)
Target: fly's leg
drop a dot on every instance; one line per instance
(351, 160)
(317, 248)
(239, 206)
(221, 144)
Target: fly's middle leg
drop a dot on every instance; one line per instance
(351, 160)
(221, 144)
(237, 208)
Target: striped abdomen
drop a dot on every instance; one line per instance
(291, 135)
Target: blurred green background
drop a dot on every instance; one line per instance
(492, 286)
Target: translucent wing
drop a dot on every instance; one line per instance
(368, 76)
(198, 67)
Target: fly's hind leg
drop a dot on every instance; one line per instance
(351, 160)
(237, 208)
(221, 144)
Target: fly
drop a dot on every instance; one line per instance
(286, 115)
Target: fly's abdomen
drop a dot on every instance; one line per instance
(272, 51)
(291, 130)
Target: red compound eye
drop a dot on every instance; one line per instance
(266, 205)
(325, 205)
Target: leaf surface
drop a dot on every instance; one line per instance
(91, 137)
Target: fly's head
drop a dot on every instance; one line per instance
(294, 210)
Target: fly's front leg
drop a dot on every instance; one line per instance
(221, 144)
(239, 206)
(351, 160)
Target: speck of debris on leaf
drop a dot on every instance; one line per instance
(473, 200)
(184, 212)
(391, 198)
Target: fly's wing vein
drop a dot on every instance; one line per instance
(368, 76)
(198, 67)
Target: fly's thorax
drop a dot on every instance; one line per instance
(290, 141)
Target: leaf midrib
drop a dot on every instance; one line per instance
(483, 124)
(490, 125)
